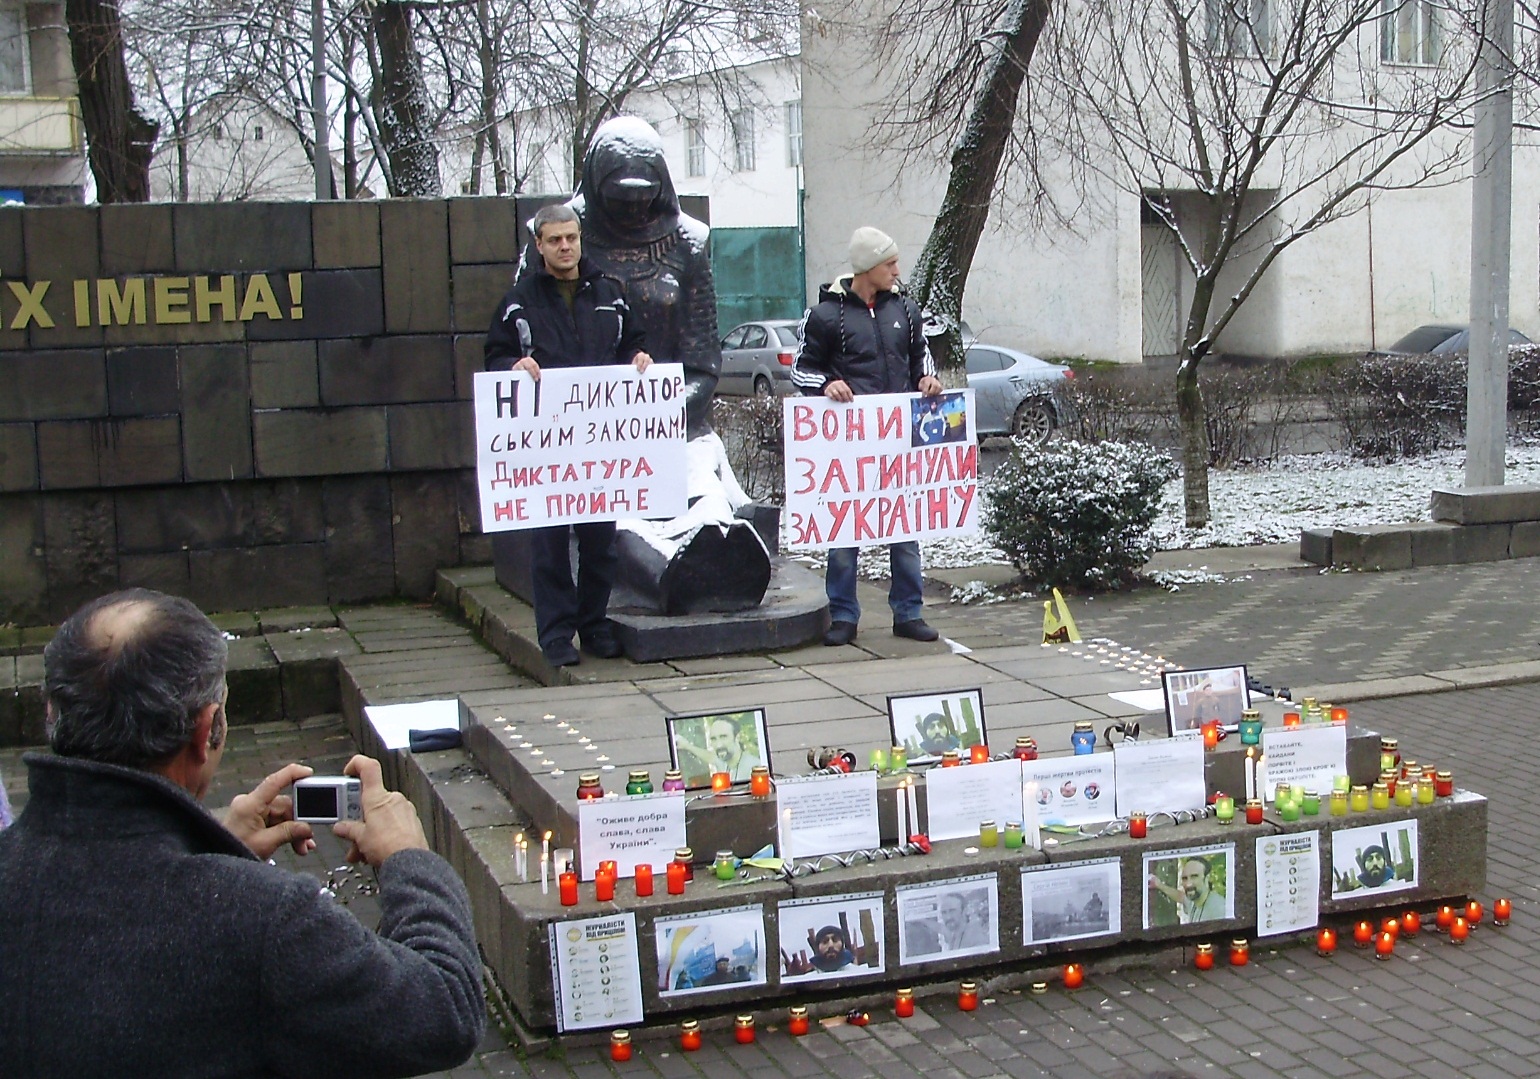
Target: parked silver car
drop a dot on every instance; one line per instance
(1438, 339)
(757, 357)
(1016, 394)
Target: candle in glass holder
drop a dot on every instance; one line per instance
(1379, 796)
(1224, 809)
(1391, 779)
(1358, 798)
(903, 1004)
(725, 866)
(1203, 959)
(1443, 784)
(1473, 913)
(1325, 940)
(1310, 804)
(604, 886)
(1015, 836)
(1459, 929)
(589, 788)
(1074, 975)
(1410, 769)
(685, 857)
(1290, 720)
(1363, 934)
(878, 760)
(1254, 811)
(567, 887)
(1411, 923)
(1337, 803)
(1083, 738)
(1390, 754)
(743, 1030)
(1384, 946)
(989, 834)
(1424, 789)
(1240, 953)
(673, 780)
(689, 1035)
(968, 996)
(950, 758)
(1443, 919)
(978, 754)
(721, 782)
(1405, 794)
(620, 1046)
(1339, 715)
(1251, 727)
(675, 874)
(1288, 810)
(796, 1021)
(759, 781)
(898, 759)
(1138, 825)
(1391, 926)
(1341, 783)
(639, 781)
(643, 879)
(1026, 748)
(1211, 735)
(1502, 910)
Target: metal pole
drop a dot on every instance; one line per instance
(323, 150)
(1486, 402)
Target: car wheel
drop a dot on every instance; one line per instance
(761, 386)
(1033, 422)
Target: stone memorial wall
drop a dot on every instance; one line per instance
(252, 405)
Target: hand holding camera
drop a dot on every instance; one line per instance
(264, 819)
(389, 823)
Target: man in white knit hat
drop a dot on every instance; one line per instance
(864, 336)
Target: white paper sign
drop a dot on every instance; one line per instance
(1309, 756)
(884, 468)
(630, 830)
(1288, 883)
(596, 972)
(1073, 790)
(957, 799)
(829, 814)
(394, 723)
(582, 444)
(1160, 775)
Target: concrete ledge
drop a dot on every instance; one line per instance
(1376, 547)
(1486, 505)
(1315, 546)
(1438, 543)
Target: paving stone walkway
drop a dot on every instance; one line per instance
(1434, 1010)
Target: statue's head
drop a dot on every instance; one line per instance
(626, 189)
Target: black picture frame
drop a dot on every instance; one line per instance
(961, 722)
(690, 748)
(1226, 690)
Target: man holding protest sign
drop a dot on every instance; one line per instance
(566, 313)
(864, 337)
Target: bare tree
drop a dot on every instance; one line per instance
(1246, 125)
(400, 100)
(119, 138)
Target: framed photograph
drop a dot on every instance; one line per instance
(1071, 902)
(720, 949)
(731, 742)
(949, 918)
(831, 937)
(1374, 859)
(1187, 886)
(939, 419)
(929, 724)
(1193, 698)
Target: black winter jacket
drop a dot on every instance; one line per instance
(138, 937)
(598, 328)
(877, 349)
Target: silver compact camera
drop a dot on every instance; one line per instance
(325, 799)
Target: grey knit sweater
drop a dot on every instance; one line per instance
(138, 937)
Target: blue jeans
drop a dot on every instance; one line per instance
(904, 592)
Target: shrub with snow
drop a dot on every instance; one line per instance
(1077, 514)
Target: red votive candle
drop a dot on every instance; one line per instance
(1363, 934)
(796, 1022)
(675, 878)
(604, 886)
(721, 781)
(1240, 953)
(978, 754)
(1138, 826)
(1384, 946)
(1473, 913)
(1074, 975)
(1254, 811)
(743, 1030)
(968, 996)
(1203, 959)
(1443, 919)
(1502, 910)
(1411, 923)
(1391, 926)
(643, 879)
(689, 1035)
(567, 885)
(1459, 929)
(903, 1004)
(1325, 940)
(1211, 735)
(620, 1046)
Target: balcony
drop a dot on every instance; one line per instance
(39, 126)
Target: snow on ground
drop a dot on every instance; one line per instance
(1269, 503)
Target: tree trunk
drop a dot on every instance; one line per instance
(582, 94)
(490, 85)
(941, 271)
(401, 104)
(1191, 415)
(119, 140)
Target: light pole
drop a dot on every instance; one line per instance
(323, 152)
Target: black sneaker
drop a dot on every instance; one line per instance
(916, 629)
(560, 654)
(839, 633)
(601, 641)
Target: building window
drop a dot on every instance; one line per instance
(256, 133)
(743, 140)
(694, 148)
(793, 133)
(1409, 32)
(1240, 27)
(15, 52)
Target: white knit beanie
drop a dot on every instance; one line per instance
(870, 247)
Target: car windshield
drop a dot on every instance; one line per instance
(787, 334)
(1424, 338)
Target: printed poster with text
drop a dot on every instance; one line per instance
(884, 468)
(581, 444)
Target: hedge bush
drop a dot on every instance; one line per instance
(1074, 514)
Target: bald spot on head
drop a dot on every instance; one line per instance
(113, 627)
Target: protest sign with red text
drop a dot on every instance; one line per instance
(581, 444)
(884, 468)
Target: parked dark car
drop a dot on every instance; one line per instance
(757, 356)
(1440, 339)
(1014, 393)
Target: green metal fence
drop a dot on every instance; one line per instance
(758, 274)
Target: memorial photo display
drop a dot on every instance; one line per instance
(1374, 859)
(1194, 698)
(730, 742)
(949, 918)
(701, 952)
(929, 724)
(1071, 902)
(834, 937)
(1187, 886)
